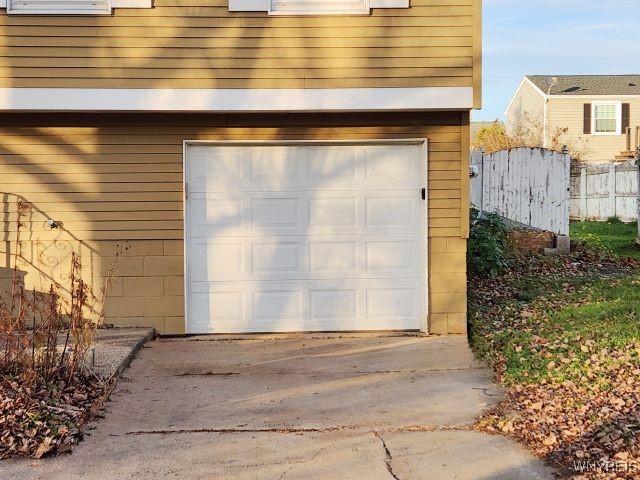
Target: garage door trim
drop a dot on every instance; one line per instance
(421, 142)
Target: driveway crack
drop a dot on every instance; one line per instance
(387, 456)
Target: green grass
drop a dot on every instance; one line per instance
(565, 329)
(618, 237)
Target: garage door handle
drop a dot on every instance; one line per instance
(424, 193)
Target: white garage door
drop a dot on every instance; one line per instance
(305, 237)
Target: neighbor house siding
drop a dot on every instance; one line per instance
(567, 112)
(199, 44)
(116, 181)
(527, 111)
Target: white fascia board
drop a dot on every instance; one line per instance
(524, 81)
(235, 100)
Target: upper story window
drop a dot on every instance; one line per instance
(607, 118)
(70, 7)
(327, 7)
(314, 7)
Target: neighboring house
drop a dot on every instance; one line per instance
(263, 161)
(601, 113)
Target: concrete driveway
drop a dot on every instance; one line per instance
(374, 407)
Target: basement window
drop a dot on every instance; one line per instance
(607, 118)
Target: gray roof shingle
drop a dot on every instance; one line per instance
(590, 84)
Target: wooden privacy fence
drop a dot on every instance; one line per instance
(525, 185)
(600, 192)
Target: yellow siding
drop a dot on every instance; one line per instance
(117, 180)
(199, 44)
(527, 111)
(567, 112)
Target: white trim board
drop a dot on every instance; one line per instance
(235, 100)
(515, 95)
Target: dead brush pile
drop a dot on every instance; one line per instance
(47, 390)
(563, 336)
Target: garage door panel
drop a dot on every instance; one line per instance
(391, 211)
(305, 238)
(306, 306)
(277, 165)
(215, 166)
(228, 169)
(332, 165)
(342, 212)
(216, 257)
(391, 257)
(391, 303)
(337, 212)
(277, 257)
(333, 257)
(276, 212)
(209, 213)
(309, 257)
(335, 304)
(383, 164)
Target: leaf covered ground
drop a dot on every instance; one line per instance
(563, 336)
(38, 419)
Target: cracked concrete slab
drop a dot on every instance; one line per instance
(463, 455)
(300, 408)
(238, 456)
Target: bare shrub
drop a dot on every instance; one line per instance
(47, 391)
(527, 133)
(44, 335)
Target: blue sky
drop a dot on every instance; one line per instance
(558, 37)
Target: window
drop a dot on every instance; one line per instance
(607, 118)
(310, 7)
(314, 7)
(69, 7)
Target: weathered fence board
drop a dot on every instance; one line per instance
(525, 185)
(603, 191)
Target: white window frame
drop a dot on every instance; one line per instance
(63, 8)
(618, 105)
(360, 7)
(293, 7)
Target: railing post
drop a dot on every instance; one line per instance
(583, 193)
(612, 190)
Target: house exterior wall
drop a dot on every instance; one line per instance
(568, 112)
(200, 44)
(527, 110)
(115, 182)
